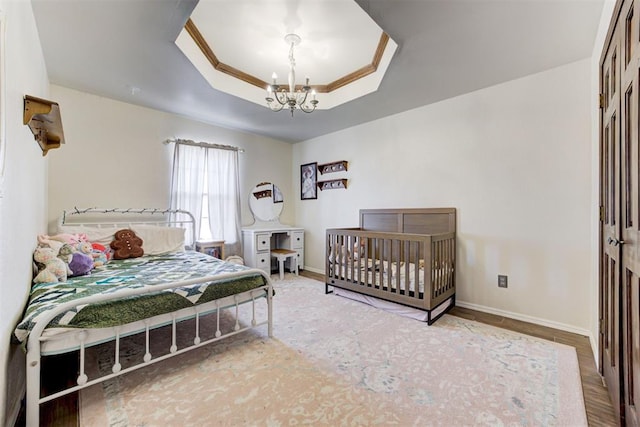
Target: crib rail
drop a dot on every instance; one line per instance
(411, 269)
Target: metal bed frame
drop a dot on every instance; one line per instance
(39, 345)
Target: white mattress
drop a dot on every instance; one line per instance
(368, 271)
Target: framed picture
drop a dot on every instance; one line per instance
(214, 248)
(308, 179)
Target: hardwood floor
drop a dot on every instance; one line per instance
(63, 411)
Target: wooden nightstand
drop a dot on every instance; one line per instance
(214, 248)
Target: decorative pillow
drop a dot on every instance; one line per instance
(160, 240)
(102, 235)
(126, 245)
(157, 239)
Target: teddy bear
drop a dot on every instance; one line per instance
(51, 268)
(126, 245)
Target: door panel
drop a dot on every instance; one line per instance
(630, 227)
(610, 196)
(620, 212)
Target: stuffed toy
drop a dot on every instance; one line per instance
(126, 245)
(72, 239)
(66, 253)
(51, 268)
(100, 255)
(84, 248)
(44, 240)
(80, 264)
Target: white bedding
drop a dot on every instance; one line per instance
(370, 272)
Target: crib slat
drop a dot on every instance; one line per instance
(416, 269)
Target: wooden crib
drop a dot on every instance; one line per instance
(404, 256)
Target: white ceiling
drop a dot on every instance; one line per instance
(249, 36)
(126, 50)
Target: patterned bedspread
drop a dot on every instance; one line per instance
(141, 272)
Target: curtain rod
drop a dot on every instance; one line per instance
(203, 144)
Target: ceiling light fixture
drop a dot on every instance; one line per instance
(292, 99)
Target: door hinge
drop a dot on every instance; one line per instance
(601, 100)
(601, 213)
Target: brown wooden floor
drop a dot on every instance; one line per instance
(64, 411)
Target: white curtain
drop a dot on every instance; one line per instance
(190, 166)
(187, 183)
(224, 198)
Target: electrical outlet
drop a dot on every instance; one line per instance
(502, 281)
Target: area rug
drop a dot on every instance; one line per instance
(337, 362)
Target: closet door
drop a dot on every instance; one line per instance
(610, 262)
(630, 220)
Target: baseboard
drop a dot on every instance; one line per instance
(525, 318)
(314, 270)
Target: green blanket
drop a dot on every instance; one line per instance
(144, 272)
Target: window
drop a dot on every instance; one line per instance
(205, 182)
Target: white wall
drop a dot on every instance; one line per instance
(23, 203)
(514, 159)
(114, 156)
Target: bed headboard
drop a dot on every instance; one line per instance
(411, 220)
(101, 217)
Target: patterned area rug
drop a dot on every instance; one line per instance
(337, 362)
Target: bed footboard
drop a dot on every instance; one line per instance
(38, 344)
(415, 270)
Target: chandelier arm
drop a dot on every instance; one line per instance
(280, 97)
(307, 109)
(275, 107)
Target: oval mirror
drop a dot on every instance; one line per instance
(266, 202)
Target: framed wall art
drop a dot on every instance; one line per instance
(308, 180)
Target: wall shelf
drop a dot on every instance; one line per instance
(332, 184)
(43, 118)
(339, 166)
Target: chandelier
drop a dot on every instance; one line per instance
(278, 98)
